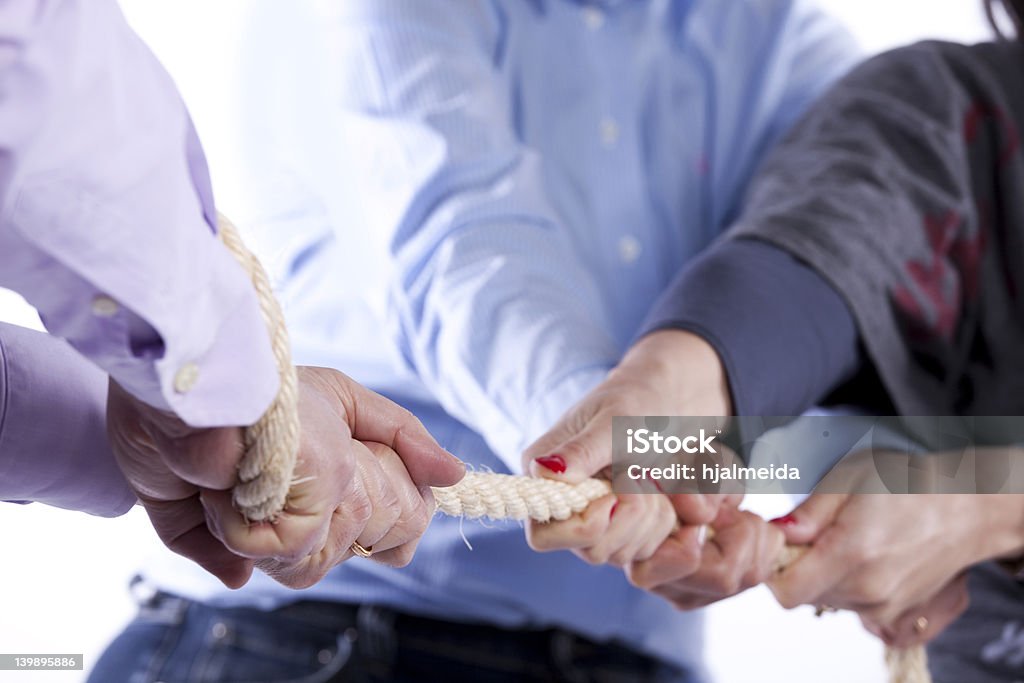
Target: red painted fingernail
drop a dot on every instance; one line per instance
(788, 520)
(615, 506)
(555, 463)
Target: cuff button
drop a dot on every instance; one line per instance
(104, 307)
(186, 378)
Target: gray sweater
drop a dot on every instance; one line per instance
(900, 195)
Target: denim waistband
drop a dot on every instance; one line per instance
(385, 638)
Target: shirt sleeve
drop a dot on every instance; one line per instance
(894, 189)
(106, 216)
(490, 304)
(53, 443)
(785, 337)
(803, 52)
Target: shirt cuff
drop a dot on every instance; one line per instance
(785, 337)
(53, 442)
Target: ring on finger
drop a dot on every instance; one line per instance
(358, 549)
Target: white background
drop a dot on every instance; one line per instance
(63, 575)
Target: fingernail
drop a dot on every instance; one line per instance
(615, 506)
(788, 520)
(702, 535)
(657, 485)
(555, 463)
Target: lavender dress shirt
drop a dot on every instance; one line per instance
(53, 445)
(107, 228)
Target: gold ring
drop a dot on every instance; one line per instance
(921, 624)
(822, 609)
(358, 549)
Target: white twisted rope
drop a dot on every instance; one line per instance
(272, 444)
(271, 448)
(504, 496)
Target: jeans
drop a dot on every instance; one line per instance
(173, 640)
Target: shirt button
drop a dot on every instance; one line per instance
(593, 17)
(629, 249)
(104, 307)
(186, 378)
(609, 132)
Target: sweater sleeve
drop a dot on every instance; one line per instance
(785, 337)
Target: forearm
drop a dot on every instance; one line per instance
(784, 337)
(509, 348)
(107, 213)
(491, 303)
(53, 444)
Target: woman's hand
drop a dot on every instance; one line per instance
(665, 373)
(741, 553)
(895, 558)
(920, 624)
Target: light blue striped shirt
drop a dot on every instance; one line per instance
(471, 205)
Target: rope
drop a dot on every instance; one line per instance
(504, 496)
(272, 444)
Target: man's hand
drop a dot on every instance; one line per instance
(665, 373)
(168, 463)
(345, 490)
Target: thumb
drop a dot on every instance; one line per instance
(804, 524)
(377, 419)
(205, 457)
(584, 449)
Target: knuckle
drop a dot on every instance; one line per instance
(639, 576)
(594, 556)
(620, 558)
(863, 549)
(305, 580)
(730, 581)
(874, 615)
(535, 541)
(416, 518)
(786, 598)
(540, 538)
(788, 602)
(871, 587)
(358, 509)
(590, 528)
(402, 556)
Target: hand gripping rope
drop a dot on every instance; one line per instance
(272, 444)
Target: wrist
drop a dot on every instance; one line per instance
(688, 368)
(1008, 542)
